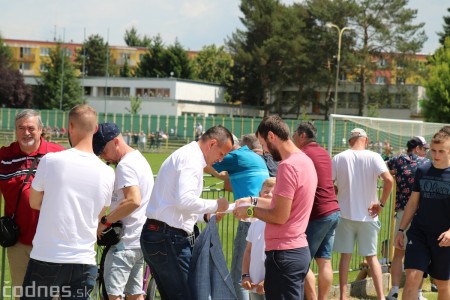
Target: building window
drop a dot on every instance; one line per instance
(25, 66)
(24, 51)
(42, 68)
(400, 80)
(45, 51)
(125, 56)
(382, 62)
(381, 80)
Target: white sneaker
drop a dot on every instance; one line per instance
(421, 297)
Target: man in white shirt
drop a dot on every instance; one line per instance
(174, 208)
(132, 189)
(70, 189)
(355, 172)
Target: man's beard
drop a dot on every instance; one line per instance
(273, 151)
(29, 143)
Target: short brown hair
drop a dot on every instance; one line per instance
(440, 137)
(84, 116)
(276, 125)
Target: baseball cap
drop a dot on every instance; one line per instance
(106, 132)
(357, 132)
(419, 141)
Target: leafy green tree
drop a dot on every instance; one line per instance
(160, 61)
(151, 64)
(256, 56)
(176, 61)
(5, 54)
(60, 71)
(437, 107)
(13, 90)
(133, 39)
(446, 32)
(125, 71)
(213, 64)
(98, 60)
(135, 105)
(382, 26)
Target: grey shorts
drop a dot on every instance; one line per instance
(124, 271)
(349, 232)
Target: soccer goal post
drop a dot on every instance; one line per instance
(393, 132)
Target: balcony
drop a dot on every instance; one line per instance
(121, 62)
(27, 58)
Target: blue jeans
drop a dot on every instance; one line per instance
(285, 273)
(240, 242)
(320, 235)
(44, 280)
(168, 253)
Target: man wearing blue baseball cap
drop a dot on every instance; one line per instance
(132, 189)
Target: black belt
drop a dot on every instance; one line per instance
(154, 225)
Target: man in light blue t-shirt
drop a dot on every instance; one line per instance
(247, 172)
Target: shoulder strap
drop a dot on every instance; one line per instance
(30, 170)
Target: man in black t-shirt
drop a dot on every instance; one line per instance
(428, 248)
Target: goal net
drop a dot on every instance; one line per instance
(386, 136)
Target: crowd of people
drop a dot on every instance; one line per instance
(294, 204)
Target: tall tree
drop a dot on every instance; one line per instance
(5, 54)
(382, 26)
(13, 90)
(98, 57)
(151, 64)
(256, 56)
(446, 32)
(133, 39)
(437, 107)
(58, 85)
(160, 61)
(176, 61)
(213, 64)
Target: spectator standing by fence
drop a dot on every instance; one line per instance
(132, 189)
(403, 167)
(63, 259)
(428, 247)
(287, 253)
(15, 162)
(174, 208)
(356, 172)
(325, 213)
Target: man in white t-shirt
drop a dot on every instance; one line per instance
(355, 172)
(70, 189)
(132, 190)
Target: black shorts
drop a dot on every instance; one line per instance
(423, 253)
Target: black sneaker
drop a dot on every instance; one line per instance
(434, 288)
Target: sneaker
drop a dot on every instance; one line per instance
(434, 288)
(392, 297)
(421, 297)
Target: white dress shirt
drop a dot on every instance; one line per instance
(175, 198)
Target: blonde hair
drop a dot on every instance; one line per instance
(269, 182)
(84, 117)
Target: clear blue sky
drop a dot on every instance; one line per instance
(195, 23)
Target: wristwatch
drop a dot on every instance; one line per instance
(104, 221)
(250, 211)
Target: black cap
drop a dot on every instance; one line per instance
(106, 132)
(417, 141)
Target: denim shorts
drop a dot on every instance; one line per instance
(124, 271)
(349, 232)
(320, 235)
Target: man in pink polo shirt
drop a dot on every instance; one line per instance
(287, 251)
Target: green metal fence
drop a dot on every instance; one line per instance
(183, 126)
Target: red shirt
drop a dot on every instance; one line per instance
(14, 166)
(325, 201)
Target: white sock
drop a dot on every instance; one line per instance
(394, 290)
